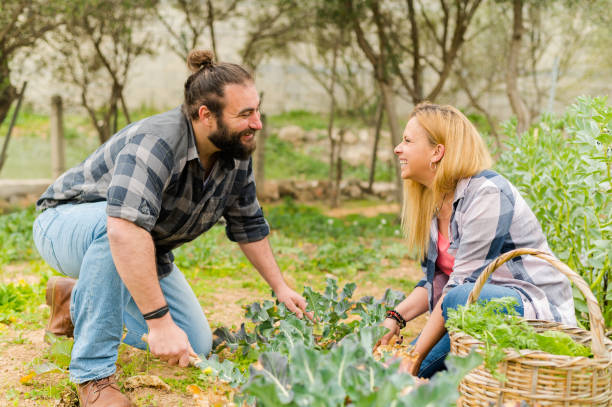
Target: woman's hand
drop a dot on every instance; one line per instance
(410, 366)
(393, 328)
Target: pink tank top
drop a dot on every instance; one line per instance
(444, 261)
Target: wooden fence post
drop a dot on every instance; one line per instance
(57, 137)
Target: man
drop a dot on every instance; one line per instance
(113, 220)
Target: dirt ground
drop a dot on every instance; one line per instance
(19, 350)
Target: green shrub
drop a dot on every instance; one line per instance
(16, 242)
(562, 168)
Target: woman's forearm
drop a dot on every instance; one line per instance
(433, 331)
(414, 304)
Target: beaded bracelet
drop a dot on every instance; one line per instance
(394, 315)
(158, 313)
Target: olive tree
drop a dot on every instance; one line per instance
(23, 23)
(95, 49)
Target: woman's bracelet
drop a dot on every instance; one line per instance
(394, 315)
(158, 313)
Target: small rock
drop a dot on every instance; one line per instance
(292, 134)
(269, 191)
(152, 381)
(68, 398)
(350, 138)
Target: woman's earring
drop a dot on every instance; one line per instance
(433, 165)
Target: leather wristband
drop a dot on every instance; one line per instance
(158, 313)
(397, 317)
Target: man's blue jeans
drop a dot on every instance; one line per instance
(434, 361)
(72, 238)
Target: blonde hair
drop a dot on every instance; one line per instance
(465, 155)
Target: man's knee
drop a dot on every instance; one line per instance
(202, 342)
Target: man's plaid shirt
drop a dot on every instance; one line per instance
(490, 218)
(149, 173)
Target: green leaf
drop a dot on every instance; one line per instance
(272, 378)
(45, 368)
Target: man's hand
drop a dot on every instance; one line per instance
(393, 328)
(293, 301)
(169, 342)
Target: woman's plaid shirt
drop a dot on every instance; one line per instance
(490, 218)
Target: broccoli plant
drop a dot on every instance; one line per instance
(325, 362)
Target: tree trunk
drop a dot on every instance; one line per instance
(124, 108)
(379, 119)
(336, 193)
(332, 114)
(518, 105)
(260, 157)
(10, 129)
(387, 95)
(8, 93)
(211, 29)
(57, 137)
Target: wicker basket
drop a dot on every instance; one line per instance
(535, 377)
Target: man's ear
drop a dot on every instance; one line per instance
(205, 115)
(438, 153)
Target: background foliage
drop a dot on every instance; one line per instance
(562, 168)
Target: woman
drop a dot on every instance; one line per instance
(459, 216)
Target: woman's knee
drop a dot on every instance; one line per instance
(455, 297)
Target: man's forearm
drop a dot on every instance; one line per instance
(260, 255)
(134, 256)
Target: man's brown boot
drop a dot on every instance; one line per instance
(102, 393)
(58, 298)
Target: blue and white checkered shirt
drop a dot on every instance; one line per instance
(150, 174)
(490, 218)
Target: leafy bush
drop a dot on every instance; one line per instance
(16, 236)
(19, 301)
(562, 168)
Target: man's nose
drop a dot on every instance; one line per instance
(397, 150)
(255, 122)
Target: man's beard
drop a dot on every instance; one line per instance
(229, 142)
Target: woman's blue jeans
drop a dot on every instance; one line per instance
(72, 238)
(434, 361)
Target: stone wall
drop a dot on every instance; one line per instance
(21, 192)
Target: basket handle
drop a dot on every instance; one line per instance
(595, 317)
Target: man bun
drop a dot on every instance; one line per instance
(207, 82)
(199, 59)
